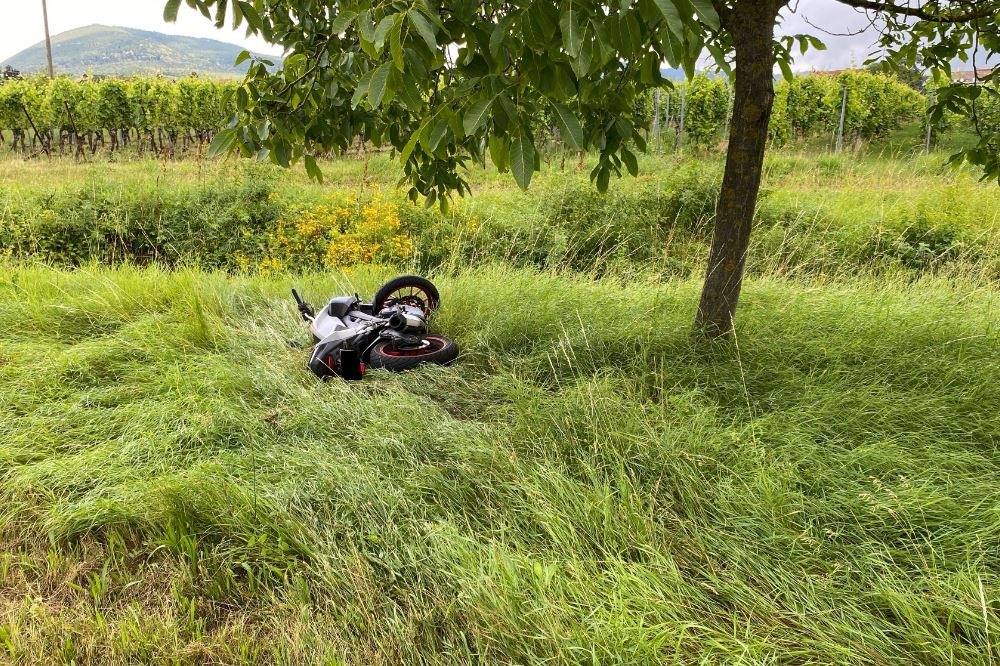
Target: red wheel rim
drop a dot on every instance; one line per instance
(412, 295)
(429, 345)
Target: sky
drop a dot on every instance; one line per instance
(22, 26)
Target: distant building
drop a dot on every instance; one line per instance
(970, 75)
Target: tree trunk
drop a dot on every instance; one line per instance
(751, 23)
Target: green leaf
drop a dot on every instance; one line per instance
(522, 160)
(296, 61)
(252, 16)
(437, 132)
(631, 163)
(569, 23)
(786, 69)
(691, 55)
(816, 43)
(603, 178)
(312, 169)
(719, 56)
(672, 17)
(581, 64)
(396, 42)
(279, 154)
(673, 47)
(263, 130)
(242, 57)
(631, 34)
(425, 28)
(343, 21)
(364, 83)
(237, 15)
(410, 146)
(499, 153)
(455, 123)
(170, 10)
(378, 85)
(366, 27)
(222, 143)
(220, 13)
(382, 31)
(706, 12)
(569, 126)
(499, 33)
(475, 117)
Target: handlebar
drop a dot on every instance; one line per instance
(304, 308)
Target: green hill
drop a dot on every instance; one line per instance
(101, 49)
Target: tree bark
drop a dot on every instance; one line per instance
(751, 23)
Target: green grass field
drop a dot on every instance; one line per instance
(588, 484)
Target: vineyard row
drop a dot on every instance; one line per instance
(165, 116)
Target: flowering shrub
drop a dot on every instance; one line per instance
(341, 231)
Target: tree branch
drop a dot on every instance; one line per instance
(991, 9)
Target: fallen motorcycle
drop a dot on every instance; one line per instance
(390, 332)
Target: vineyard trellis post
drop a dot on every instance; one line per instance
(843, 116)
(679, 141)
(656, 118)
(666, 114)
(927, 136)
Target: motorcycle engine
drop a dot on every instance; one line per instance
(407, 319)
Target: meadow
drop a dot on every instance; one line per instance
(588, 484)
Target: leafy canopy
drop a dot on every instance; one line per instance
(447, 82)
(458, 80)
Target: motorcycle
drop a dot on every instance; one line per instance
(390, 332)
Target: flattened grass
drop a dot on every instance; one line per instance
(585, 485)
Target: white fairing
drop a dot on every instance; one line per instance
(324, 324)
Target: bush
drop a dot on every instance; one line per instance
(208, 225)
(259, 219)
(928, 233)
(343, 230)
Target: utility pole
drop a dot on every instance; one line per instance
(48, 41)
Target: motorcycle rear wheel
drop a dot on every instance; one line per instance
(435, 349)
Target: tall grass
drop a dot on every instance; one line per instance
(587, 484)
(821, 216)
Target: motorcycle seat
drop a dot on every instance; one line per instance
(339, 307)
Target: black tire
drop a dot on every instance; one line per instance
(440, 351)
(424, 290)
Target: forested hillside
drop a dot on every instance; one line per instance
(102, 49)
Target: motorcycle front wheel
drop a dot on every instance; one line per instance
(411, 290)
(435, 349)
